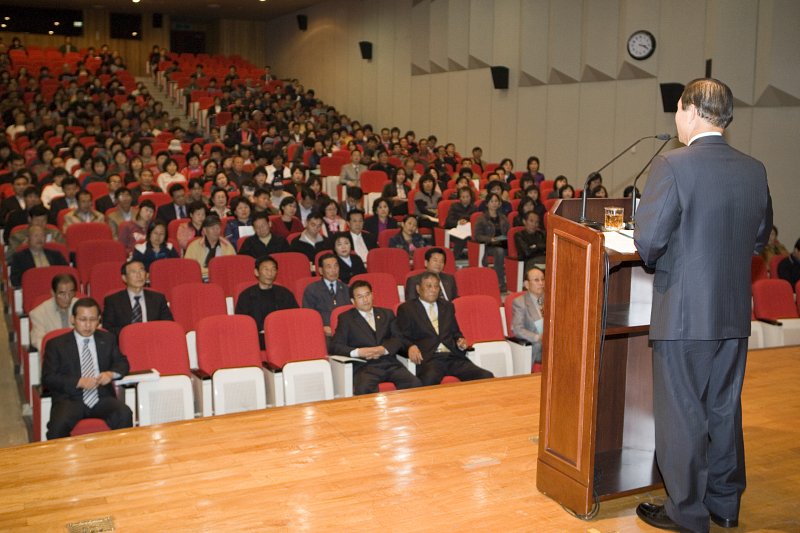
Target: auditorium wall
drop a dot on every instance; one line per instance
(575, 97)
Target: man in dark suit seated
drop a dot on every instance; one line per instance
(263, 242)
(77, 371)
(264, 297)
(366, 333)
(106, 202)
(431, 336)
(363, 241)
(20, 217)
(15, 202)
(36, 255)
(134, 304)
(435, 260)
(327, 293)
(311, 240)
(70, 186)
(177, 207)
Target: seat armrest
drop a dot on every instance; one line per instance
(770, 321)
(200, 373)
(518, 340)
(271, 366)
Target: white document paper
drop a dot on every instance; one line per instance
(246, 231)
(620, 242)
(461, 231)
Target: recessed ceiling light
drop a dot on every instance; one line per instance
(56, 23)
(50, 32)
(134, 34)
(7, 18)
(136, 1)
(4, 25)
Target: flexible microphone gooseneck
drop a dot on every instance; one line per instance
(583, 219)
(632, 220)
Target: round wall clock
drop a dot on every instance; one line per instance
(641, 45)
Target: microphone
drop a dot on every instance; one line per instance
(632, 220)
(583, 219)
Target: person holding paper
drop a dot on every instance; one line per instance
(77, 371)
(241, 225)
(491, 229)
(526, 313)
(459, 215)
(366, 332)
(705, 211)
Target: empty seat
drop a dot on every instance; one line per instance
(91, 252)
(392, 261)
(482, 327)
(167, 273)
(86, 231)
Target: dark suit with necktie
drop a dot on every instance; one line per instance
(169, 212)
(447, 290)
(705, 211)
(414, 326)
(320, 297)
(353, 331)
(61, 371)
(118, 312)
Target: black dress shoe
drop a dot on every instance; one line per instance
(724, 522)
(656, 516)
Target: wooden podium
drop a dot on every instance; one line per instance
(596, 436)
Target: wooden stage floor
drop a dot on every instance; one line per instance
(452, 458)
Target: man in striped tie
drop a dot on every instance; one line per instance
(77, 371)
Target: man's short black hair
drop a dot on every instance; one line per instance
(123, 269)
(435, 250)
(264, 259)
(354, 212)
(64, 277)
(357, 285)
(175, 187)
(85, 302)
(38, 211)
(323, 257)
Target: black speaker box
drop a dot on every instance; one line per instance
(500, 77)
(366, 49)
(670, 94)
(302, 22)
(158, 20)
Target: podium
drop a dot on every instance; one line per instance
(596, 433)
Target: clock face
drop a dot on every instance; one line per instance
(641, 45)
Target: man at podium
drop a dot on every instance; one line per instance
(705, 211)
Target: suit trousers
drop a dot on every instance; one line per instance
(697, 407)
(65, 415)
(367, 376)
(433, 369)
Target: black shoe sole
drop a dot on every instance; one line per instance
(727, 523)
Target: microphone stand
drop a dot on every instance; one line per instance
(632, 221)
(583, 219)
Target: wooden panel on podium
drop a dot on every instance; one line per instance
(596, 439)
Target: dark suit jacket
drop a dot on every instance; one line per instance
(55, 207)
(317, 297)
(167, 213)
(371, 225)
(104, 203)
(705, 210)
(309, 250)
(23, 261)
(353, 332)
(369, 239)
(448, 282)
(117, 310)
(61, 369)
(414, 327)
(7, 206)
(346, 272)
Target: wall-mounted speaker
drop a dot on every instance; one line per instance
(366, 49)
(302, 22)
(158, 20)
(670, 94)
(500, 77)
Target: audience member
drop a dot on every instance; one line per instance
(491, 229)
(328, 293)
(435, 261)
(526, 315)
(155, 246)
(210, 246)
(241, 221)
(363, 242)
(367, 333)
(350, 264)
(773, 247)
(193, 227)
(34, 256)
(106, 202)
(351, 172)
(38, 217)
(408, 239)
(264, 242)
(459, 214)
(84, 212)
(135, 231)
(177, 207)
(310, 241)
(789, 268)
(264, 297)
(77, 371)
(124, 211)
(381, 219)
(54, 313)
(134, 304)
(531, 242)
(431, 336)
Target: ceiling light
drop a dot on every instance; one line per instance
(136, 1)
(134, 34)
(56, 23)
(50, 32)
(7, 18)
(4, 25)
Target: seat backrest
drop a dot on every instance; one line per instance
(104, 278)
(160, 345)
(36, 283)
(294, 335)
(508, 305)
(291, 267)
(478, 318)
(443, 209)
(773, 299)
(373, 180)
(385, 236)
(330, 166)
(89, 253)
(227, 341)
(192, 301)
(167, 273)
(51, 335)
(97, 188)
(450, 259)
(478, 280)
(758, 268)
(392, 261)
(229, 270)
(513, 253)
(338, 311)
(86, 231)
(299, 287)
(384, 288)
